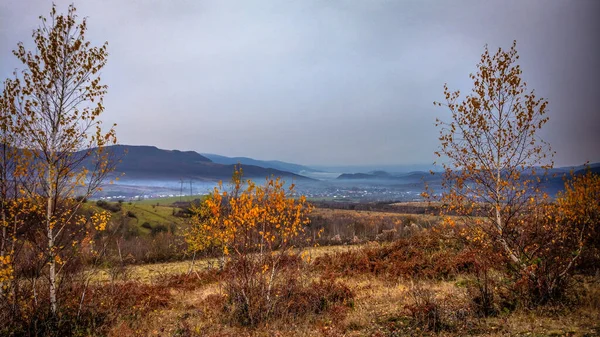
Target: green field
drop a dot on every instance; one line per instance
(167, 200)
(154, 212)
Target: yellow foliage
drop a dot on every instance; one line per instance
(249, 218)
(100, 220)
(6, 269)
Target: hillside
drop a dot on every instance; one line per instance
(150, 162)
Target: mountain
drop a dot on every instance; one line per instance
(356, 176)
(551, 183)
(273, 164)
(382, 175)
(150, 162)
(555, 180)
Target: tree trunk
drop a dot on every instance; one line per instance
(2, 249)
(51, 253)
(499, 224)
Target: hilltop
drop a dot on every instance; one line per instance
(150, 162)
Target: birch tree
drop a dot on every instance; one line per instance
(61, 100)
(491, 149)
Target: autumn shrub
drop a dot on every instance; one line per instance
(554, 237)
(116, 268)
(289, 298)
(129, 247)
(256, 228)
(424, 308)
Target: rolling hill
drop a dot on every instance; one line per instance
(150, 162)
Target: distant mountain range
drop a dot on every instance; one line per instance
(552, 183)
(392, 169)
(409, 177)
(383, 175)
(148, 170)
(273, 164)
(150, 162)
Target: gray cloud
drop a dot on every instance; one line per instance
(324, 82)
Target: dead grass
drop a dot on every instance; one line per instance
(147, 273)
(383, 306)
(418, 203)
(376, 215)
(379, 310)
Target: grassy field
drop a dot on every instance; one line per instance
(153, 214)
(140, 212)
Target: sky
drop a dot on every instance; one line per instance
(324, 82)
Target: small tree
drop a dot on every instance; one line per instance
(256, 228)
(60, 102)
(492, 150)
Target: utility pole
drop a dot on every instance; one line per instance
(191, 194)
(181, 189)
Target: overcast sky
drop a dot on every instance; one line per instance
(324, 82)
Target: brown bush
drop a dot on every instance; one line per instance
(426, 255)
(190, 281)
(481, 293)
(83, 311)
(424, 309)
(291, 296)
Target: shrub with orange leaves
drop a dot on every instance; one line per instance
(560, 233)
(580, 207)
(256, 228)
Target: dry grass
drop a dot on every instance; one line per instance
(337, 213)
(147, 273)
(379, 310)
(417, 203)
(383, 306)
